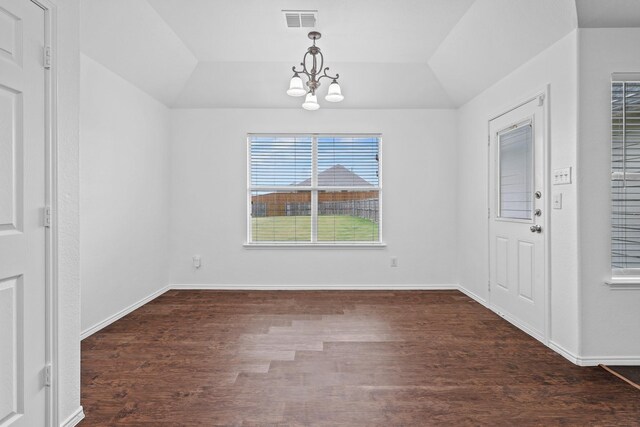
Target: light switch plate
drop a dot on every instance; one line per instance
(557, 201)
(562, 176)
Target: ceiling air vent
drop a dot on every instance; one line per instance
(300, 18)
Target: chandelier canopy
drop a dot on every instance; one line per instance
(313, 67)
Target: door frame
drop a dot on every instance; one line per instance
(542, 94)
(51, 200)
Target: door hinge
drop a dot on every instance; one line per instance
(489, 285)
(46, 216)
(47, 375)
(540, 100)
(47, 58)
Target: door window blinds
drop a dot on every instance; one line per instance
(516, 173)
(625, 177)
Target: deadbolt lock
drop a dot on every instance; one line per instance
(537, 212)
(538, 194)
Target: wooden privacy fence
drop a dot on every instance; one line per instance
(366, 208)
(363, 204)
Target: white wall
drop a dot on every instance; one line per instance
(124, 193)
(208, 200)
(610, 318)
(67, 212)
(556, 66)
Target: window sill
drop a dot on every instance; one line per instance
(315, 245)
(623, 283)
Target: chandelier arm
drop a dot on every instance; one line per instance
(302, 71)
(324, 74)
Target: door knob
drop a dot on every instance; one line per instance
(535, 229)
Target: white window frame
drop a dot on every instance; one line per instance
(622, 278)
(314, 189)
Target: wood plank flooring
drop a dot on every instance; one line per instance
(336, 358)
(630, 374)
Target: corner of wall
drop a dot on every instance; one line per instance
(607, 318)
(578, 184)
(73, 419)
(67, 389)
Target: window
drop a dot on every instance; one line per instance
(516, 172)
(314, 190)
(625, 177)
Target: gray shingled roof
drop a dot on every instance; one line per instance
(338, 176)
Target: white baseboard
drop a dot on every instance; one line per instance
(593, 360)
(515, 322)
(109, 320)
(73, 419)
(609, 360)
(535, 334)
(569, 355)
(325, 287)
(474, 296)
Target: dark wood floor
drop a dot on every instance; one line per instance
(336, 358)
(631, 374)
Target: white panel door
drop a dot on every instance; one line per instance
(22, 197)
(517, 217)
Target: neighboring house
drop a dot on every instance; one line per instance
(338, 176)
(297, 202)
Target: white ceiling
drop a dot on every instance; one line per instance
(263, 85)
(353, 30)
(495, 37)
(131, 39)
(608, 13)
(389, 53)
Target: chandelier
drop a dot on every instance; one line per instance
(313, 67)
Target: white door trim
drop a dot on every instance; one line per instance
(51, 199)
(546, 144)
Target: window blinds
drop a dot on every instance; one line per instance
(310, 189)
(347, 162)
(280, 161)
(279, 166)
(516, 173)
(625, 176)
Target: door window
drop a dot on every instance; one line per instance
(516, 172)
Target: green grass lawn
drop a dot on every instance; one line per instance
(339, 228)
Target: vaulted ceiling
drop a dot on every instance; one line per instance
(389, 53)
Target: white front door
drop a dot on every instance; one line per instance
(22, 198)
(517, 217)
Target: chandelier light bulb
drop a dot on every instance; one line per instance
(295, 86)
(311, 102)
(335, 93)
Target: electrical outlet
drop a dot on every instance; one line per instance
(197, 262)
(394, 261)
